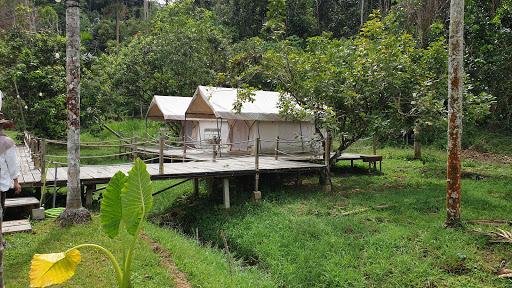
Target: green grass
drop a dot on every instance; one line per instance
(300, 238)
(207, 266)
(94, 270)
(297, 236)
(485, 140)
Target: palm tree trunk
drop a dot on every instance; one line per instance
(455, 89)
(74, 212)
(2, 285)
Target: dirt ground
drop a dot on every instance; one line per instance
(488, 158)
(180, 278)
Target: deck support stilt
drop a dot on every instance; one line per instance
(88, 194)
(196, 187)
(227, 205)
(161, 154)
(256, 193)
(209, 186)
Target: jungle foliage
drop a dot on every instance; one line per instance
(380, 64)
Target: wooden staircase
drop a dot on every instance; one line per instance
(19, 225)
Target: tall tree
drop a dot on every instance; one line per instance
(74, 212)
(455, 91)
(2, 248)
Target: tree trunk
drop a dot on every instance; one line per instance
(455, 90)
(117, 26)
(74, 212)
(146, 10)
(417, 149)
(2, 285)
(417, 144)
(362, 13)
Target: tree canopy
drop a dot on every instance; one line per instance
(362, 67)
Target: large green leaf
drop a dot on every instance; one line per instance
(136, 196)
(111, 207)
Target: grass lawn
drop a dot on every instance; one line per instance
(297, 236)
(300, 238)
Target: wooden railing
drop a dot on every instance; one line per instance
(153, 148)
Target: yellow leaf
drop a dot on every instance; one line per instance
(54, 268)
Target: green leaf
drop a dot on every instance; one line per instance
(111, 207)
(136, 196)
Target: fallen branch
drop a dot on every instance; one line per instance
(490, 222)
(501, 237)
(354, 211)
(227, 251)
(505, 273)
(362, 210)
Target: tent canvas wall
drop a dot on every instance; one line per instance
(213, 108)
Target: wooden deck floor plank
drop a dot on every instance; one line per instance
(16, 226)
(21, 201)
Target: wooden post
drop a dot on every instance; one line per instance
(34, 153)
(43, 159)
(135, 153)
(226, 193)
(120, 143)
(209, 186)
(277, 148)
(82, 191)
(214, 148)
(196, 187)
(131, 144)
(184, 146)
(374, 145)
(88, 194)
(161, 154)
(257, 192)
(145, 143)
(327, 155)
(55, 185)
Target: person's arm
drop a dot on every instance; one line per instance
(12, 166)
(17, 187)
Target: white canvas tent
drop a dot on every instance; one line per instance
(168, 108)
(213, 108)
(172, 109)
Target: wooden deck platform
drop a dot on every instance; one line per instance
(223, 167)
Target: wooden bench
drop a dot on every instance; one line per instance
(372, 159)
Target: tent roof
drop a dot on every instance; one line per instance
(216, 102)
(164, 108)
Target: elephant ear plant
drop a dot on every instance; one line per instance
(126, 202)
